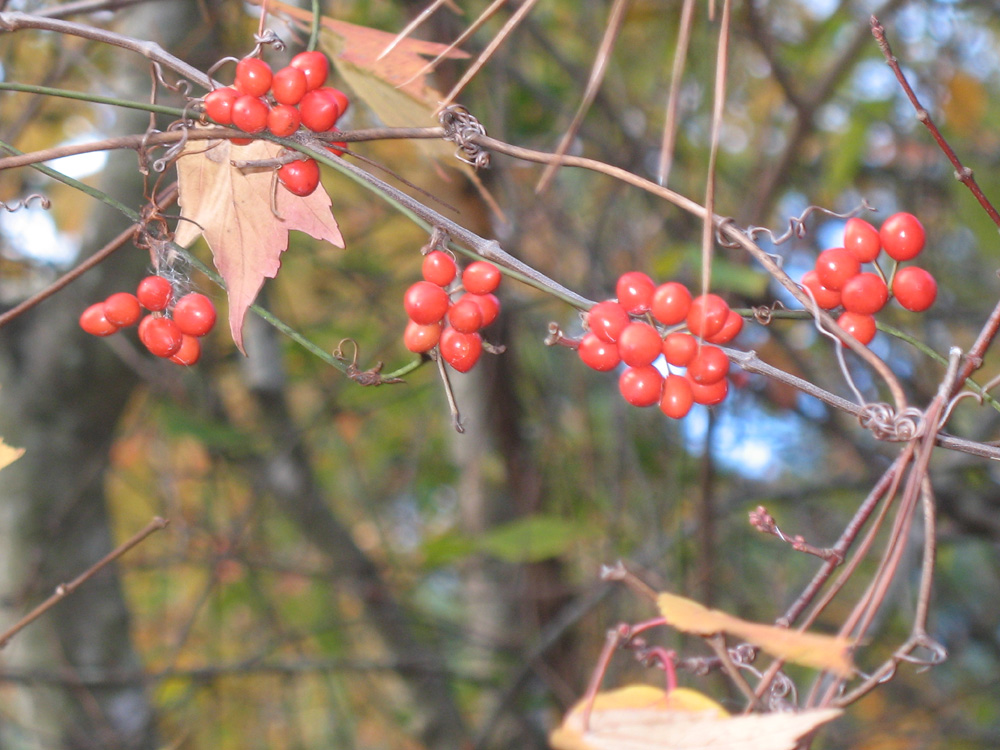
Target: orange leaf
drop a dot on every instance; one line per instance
(810, 649)
(233, 210)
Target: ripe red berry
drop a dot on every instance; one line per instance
(465, 316)
(283, 120)
(288, 85)
(641, 386)
(835, 267)
(861, 327)
(709, 366)
(189, 352)
(489, 306)
(94, 321)
(865, 294)
(480, 277)
(253, 76)
(460, 350)
(336, 148)
(680, 348)
(902, 236)
(319, 111)
(219, 104)
(639, 344)
(426, 303)
(418, 338)
(709, 395)
(250, 114)
(122, 309)
(707, 315)
(160, 335)
(343, 101)
(438, 268)
(154, 293)
(825, 298)
(677, 396)
(861, 240)
(635, 292)
(299, 177)
(315, 65)
(598, 355)
(671, 302)
(731, 329)
(194, 314)
(914, 288)
(607, 320)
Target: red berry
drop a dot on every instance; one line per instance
(635, 292)
(253, 76)
(319, 111)
(250, 114)
(489, 306)
(825, 298)
(671, 302)
(189, 352)
(902, 236)
(480, 277)
(315, 65)
(465, 316)
(299, 177)
(418, 338)
(426, 303)
(154, 293)
(460, 350)
(194, 314)
(835, 267)
(598, 355)
(711, 394)
(677, 396)
(607, 320)
(160, 335)
(438, 268)
(219, 104)
(865, 294)
(707, 315)
(641, 386)
(122, 309)
(709, 366)
(680, 348)
(639, 344)
(283, 120)
(731, 329)
(341, 98)
(95, 322)
(914, 288)
(861, 327)
(861, 240)
(288, 86)
(336, 148)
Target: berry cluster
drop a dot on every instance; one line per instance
(169, 333)
(280, 103)
(452, 326)
(615, 338)
(838, 281)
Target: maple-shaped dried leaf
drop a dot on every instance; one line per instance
(831, 653)
(642, 717)
(232, 208)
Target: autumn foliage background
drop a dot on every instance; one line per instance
(342, 569)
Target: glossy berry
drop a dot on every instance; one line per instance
(253, 76)
(465, 316)
(597, 354)
(865, 294)
(635, 292)
(315, 65)
(671, 302)
(641, 386)
(154, 293)
(607, 320)
(730, 330)
(250, 114)
(94, 321)
(707, 315)
(283, 120)
(336, 148)
(122, 309)
(639, 344)
(299, 177)
(194, 314)
(914, 288)
(489, 306)
(680, 348)
(426, 303)
(709, 366)
(219, 104)
(460, 350)
(481, 277)
(418, 338)
(827, 299)
(189, 352)
(861, 240)
(861, 327)
(340, 97)
(835, 267)
(438, 268)
(319, 111)
(709, 395)
(288, 86)
(902, 236)
(677, 397)
(160, 335)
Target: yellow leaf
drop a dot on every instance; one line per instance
(9, 455)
